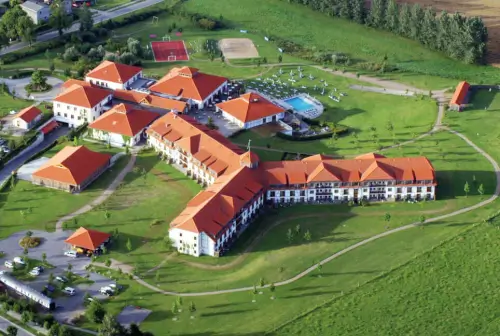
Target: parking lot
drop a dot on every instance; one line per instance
(53, 246)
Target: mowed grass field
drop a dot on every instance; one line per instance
(360, 111)
(431, 295)
(289, 21)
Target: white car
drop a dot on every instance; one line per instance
(61, 279)
(71, 254)
(19, 260)
(34, 272)
(69, 290)
(8, 264)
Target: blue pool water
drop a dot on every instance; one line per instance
(299, 104)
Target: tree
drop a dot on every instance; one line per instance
(319, 267)
(392, 17)
(280, 58)
(54, 329)
(11, 331)
(387, 217)
(157, 276)
(64, 331)
(289, 235)
(346, 10)
(417, 17)
(466, 188)
(107, 215)
(68, 270)
(359, 11)
(58, 18)
(44, 257)
(38, 81)
(179, 301)
(307, 236)
(26, 316)
(480, 189)
(95, 312)
(129, 245)
(377, 13)
(262, 282)
(51, 278)
(25, 251)
(192, 307)
(272, 288)
(422, 220)
(174, 308)
(29, 233)
(429, 28)
(404, 20)
(297, 229)
(110, 327)
(86, 20)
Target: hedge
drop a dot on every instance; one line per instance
(340, 130)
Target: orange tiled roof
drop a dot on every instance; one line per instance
(249, 158)
(207, 146)
(28, 114)
(84, 96)
(189, 83)
(49, 127)
(72, 81)
(353, 170)
(114, 72)
(73, 165)
(87, 239)
(124, 119)
(129, 95)
(460, 94)
(250, 107)
(213, 208)
(151, 100)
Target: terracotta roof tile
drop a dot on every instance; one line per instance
(87, 239)
(188, 83)
(84, 96)
(29, 113)
(73, 165)
(460, 95)
(124, 119)
(72, 81)
(114, 72)
(250, 107)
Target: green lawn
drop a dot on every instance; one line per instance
(46, 204)
(289, 21)
(360, 111)
(95, 146)
(105, 5)
(9, 103)
(142, 209)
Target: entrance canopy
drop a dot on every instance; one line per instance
(87, 239)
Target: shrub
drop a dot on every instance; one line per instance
(30, 242)
(71, 54)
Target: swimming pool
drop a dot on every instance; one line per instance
(299, 104)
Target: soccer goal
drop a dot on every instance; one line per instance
(172, 58)
(155, 20)
(166, 38)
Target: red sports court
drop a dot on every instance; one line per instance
(169, 51)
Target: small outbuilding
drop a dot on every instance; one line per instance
(86, 241)
(27, 118)
(460, 97)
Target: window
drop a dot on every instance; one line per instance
(72, 117)
(399, 190)
(195, 238)
(59, 113)
(67, 107)
(74, 108)
(429, 189)
(58, 105)
(180, 241)
(194, 245)
(79, 118)
(180, 234)
(389, 189)
(65, 115)
(419, 189)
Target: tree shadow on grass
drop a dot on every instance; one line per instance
(227, 312)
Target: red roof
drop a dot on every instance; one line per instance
(213, 208)
(84, 96)
(71, 81)
(460, 95)
(87, 239)
(250, 107)
(29, 114)
(189, 83)
(125, 120)
(49, 127)
(114, 72)
(73, 165)
(150, 100)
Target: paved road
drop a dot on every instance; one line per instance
(18, 86)
(101, 16)
(4, 323)
(382, 90)
(18, 161)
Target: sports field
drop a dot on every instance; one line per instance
(169, 51)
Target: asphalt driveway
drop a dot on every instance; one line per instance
(54, 246)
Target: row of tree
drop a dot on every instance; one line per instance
(455, 35)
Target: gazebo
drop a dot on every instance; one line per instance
(86, 241)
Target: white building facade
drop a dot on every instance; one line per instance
(115, 139)
(75, 115)
(23, 124)
(253, 123)
(113, 85)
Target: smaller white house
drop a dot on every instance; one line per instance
(122, 126)
(250, 110)
(81, 104)
(27, 118)
(189, 84)
(114, 76)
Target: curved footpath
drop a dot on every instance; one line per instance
(439, 96)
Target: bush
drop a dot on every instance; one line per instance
(71, 54)
(30, 242)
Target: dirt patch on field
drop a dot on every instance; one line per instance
(489, 10)
(234, 48)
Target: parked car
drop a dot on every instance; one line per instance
(8, 264)
(34, 272)
(71, 254)
(106, 291)
(115, 287)
(50, 288)
(69, 290)
(62, 279)
(19, 260)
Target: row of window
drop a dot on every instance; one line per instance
(346, 191)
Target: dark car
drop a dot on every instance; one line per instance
(50, 288)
